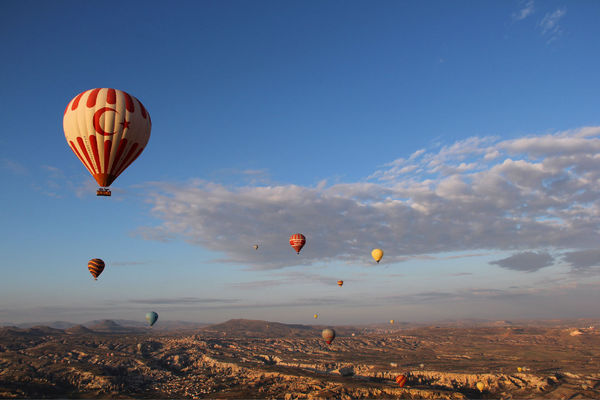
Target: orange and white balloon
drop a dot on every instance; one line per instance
(107, 129)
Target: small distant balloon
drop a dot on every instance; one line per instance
(340, 283)
(316, 316)
(151, 317)
(401, 380)
(480, 386)
(377, 254)
(421, 366)
(96, 266)
(297, 241)
(392, 321)
(519, 369)
(328, 334)
(255, 247)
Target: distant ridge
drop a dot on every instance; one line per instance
(258, 328)
(78, 330)
(110, 326)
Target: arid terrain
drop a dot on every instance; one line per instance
(259, 359)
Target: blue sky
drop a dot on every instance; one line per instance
(460, 137)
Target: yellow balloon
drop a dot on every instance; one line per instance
(480, 386)
(392, 321)
(316, 316)
(519, 369)
(377, 254)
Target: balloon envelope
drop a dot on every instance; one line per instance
(316, 316)
(480, 386)
(255, 247)
(96, 266)
(328, 334)
(377, 254)
(297, 241)
(151, 317)
(401, 380)
(340, 283)
(107, 129)
(392, 321)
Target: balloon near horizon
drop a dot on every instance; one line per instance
(401, 380)
(328, 334)
(151, 317)
(96, 266)
(107, 129)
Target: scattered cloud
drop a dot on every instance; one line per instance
(526, 9)
(583, 259)
(549, 25)
(537, 192)
(527, 261)
(14, 167)
(124, 263)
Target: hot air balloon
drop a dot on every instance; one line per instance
(297, 241)
(255, 247)
(340, 283)
(377, 254)
(151, 317)
(401, 380)
(392, 321)
(328, 334)
(96, 266)
(107, 129)
(519, 369)
(316, 316)
(421, 366)
(480, 386)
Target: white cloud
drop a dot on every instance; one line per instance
(537, 192)
(549, 25)
(527, 8)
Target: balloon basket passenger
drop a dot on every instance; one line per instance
(103, 192)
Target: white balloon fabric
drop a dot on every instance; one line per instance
(107, 129)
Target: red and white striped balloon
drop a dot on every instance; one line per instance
(297, 241)
(107, 129)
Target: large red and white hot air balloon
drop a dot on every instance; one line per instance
(107, 129)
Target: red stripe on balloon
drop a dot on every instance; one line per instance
(91, 100)
(107, 148)
(129, 103)
(76, 101)
(142, 109)
(126, 161)
(85, 153)
(111, 96)
(120, 149)
(95, 152)
(132, 160)
(79, 156)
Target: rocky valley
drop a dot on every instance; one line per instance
(260, 359)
